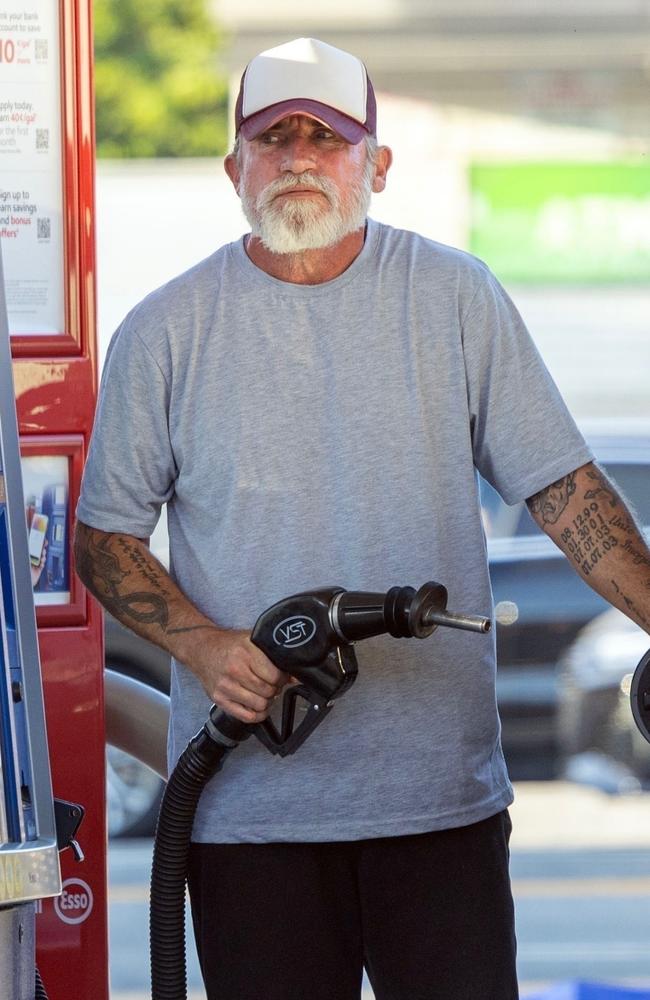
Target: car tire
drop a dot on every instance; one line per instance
(133, 795)
(133, 790)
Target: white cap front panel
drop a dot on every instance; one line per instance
(310, 69)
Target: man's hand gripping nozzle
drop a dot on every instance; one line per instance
(311, 635)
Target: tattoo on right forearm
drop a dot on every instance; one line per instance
(105, 577)
(152, 574)
(100, 568)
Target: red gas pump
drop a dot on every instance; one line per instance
(47, 231)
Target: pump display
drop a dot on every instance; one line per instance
(309, 636)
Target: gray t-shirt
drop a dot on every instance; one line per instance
(307, 436)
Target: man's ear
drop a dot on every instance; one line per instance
(231, 166)
(383, 161)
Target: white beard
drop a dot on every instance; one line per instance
(290, 225)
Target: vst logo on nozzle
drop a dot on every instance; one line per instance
(294, 631)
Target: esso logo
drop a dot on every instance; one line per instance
(75, 903)
(294, 631)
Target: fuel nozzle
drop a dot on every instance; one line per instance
(402, 612)
(311, 636)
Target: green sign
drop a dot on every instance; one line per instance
(567, 223)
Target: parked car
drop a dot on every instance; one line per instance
(599, 742)
(541, 604)
(133, 791)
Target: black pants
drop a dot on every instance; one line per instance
(429, 915)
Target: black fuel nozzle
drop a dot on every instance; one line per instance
(310, 636)
(298, 636)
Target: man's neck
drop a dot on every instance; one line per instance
(309, 267)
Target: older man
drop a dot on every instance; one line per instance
(312, 404)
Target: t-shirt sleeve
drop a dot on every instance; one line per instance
(523, 436)
(130, 471)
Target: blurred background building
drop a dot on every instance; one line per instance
(580, 62)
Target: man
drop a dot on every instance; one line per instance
(312, 403)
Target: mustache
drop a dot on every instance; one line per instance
(305, 180)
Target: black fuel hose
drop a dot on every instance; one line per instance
(40, 993)
(200, 760)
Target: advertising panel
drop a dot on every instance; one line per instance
(562, 223)
(31, 174)
(46, 491)
(51, 467)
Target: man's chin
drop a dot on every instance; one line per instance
(294, 245)
(291, 236)
(284, 233)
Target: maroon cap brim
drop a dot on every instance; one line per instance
(352, 131)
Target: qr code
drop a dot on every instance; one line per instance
(43, 138)
(40, 49)
(43, 229)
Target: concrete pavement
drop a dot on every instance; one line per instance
(560, 815)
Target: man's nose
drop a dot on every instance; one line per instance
(298, 155)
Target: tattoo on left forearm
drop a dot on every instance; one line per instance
(588, 538)
(598, 533)
(605, 524)
(602, 489)
(590, 535)
(553, 500)
(639, 557)
(631, 606)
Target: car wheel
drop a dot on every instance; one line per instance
(133, 794)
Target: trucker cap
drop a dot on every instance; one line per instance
(308, 76)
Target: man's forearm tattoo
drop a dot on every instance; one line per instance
(601, 488)
(603, 524)
(103, 574)
(101, 570)
(552, 501)
(591, 535)
(631, 606)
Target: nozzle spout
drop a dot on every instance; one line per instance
(473, 623)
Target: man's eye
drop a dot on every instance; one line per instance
(269, 138)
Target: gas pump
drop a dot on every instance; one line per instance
(47, 234)
(29, 865)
